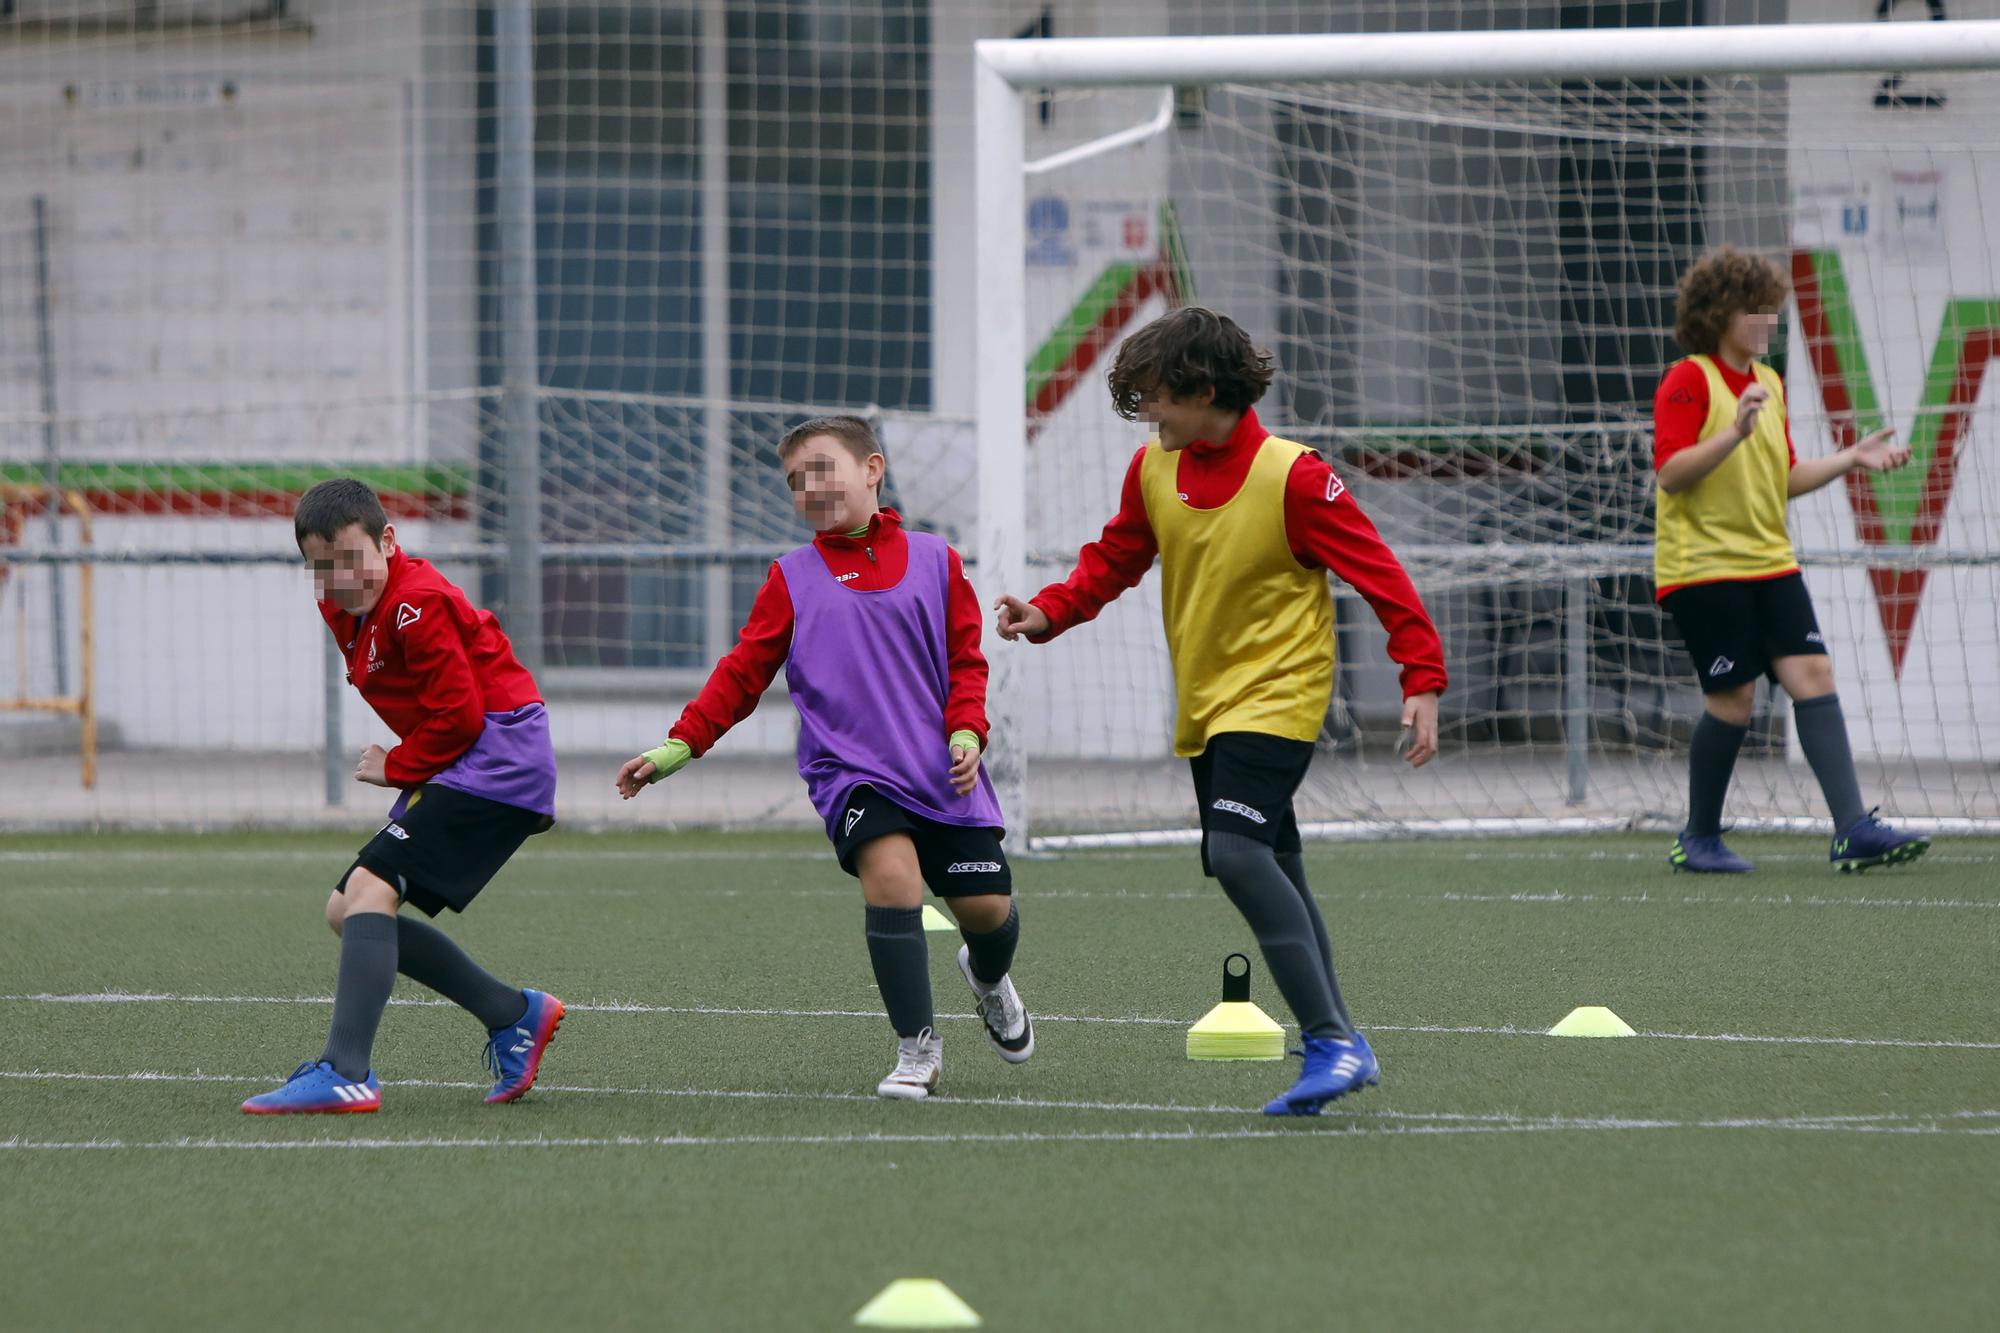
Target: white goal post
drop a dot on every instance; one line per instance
(1577, 78)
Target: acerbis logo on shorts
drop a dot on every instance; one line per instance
(1816, 637)
(397, 832)
(1238, 808)
(1720, 665)
(973, 868)
(853, 818)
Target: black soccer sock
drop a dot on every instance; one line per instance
(1276, 913)
(429, 957)
(1294, 866)
(902, 962)
(1711, 759)
(367, 976)
(1823, 736)
(992, 954)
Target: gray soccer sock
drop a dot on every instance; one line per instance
(1276, 913)
(992, 953)
(902, 965)
(1294, 866)
(1823, 736)
(1711, 759)
(367, 975)
(429, 957)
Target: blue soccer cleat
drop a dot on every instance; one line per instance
(315, 1089)
(514, 1054)
(1868, 842)
(1333, 1069)
(1704, 854)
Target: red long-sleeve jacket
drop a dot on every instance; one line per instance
(1323, 525)
(868, 563)
(431, 665)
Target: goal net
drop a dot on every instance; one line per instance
(1462, 255)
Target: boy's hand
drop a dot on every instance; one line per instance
(1018, 618)
(964, 762)
(1420, 725)
(644, 770)
(1747, 408)
(374, 767)
(1878, 454)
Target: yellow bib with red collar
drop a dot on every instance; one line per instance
(1250, 630)
(1731, 523)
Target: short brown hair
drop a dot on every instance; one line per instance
(1185, 352)
(335, 504)
(1722, 285)
(855, 434)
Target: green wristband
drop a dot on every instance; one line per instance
(966, 739)
(669, 759)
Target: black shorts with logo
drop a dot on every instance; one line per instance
(1244, 783)
(1735, 629)
(956, 860)
(444, 847)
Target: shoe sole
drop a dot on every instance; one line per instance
(1899, 856)
(905, 1092)
(343, 1109)
(1313, 1105)
(1011, 1057)
(543, 1040)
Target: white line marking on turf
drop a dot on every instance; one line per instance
(719, 1011)
(1931, 1125)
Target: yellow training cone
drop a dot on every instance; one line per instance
(1592, 1020)
(935, 920)
(917, 1302)
(1236, 1029)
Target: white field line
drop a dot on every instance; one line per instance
(1950, 1123)
(1500, 1118)
(1331, 894)
(719, 1011)
(1403, 851)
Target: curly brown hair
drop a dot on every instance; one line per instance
(1185, 352)
(1721, 285)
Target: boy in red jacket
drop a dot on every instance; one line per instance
(477, 778)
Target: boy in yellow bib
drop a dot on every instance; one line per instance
(1246, 526)
(1723, 563)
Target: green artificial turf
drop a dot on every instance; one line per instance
(704, 1150)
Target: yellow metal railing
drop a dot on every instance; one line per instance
(82, 704)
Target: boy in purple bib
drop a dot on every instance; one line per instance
(878, 634)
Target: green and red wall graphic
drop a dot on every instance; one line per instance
(1907, 507)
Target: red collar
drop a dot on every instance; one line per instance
(880, 524)
(1249, 431)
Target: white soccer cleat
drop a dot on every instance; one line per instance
(1000, 1009)
(919, 1063)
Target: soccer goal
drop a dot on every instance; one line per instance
(1462, 250)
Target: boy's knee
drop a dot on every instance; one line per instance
(1232, 856)
(1733, 705)
(364, 891)
(981, 913)
(889, 873)
(336, 910)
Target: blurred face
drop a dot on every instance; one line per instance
(351, 570)
(1179, 419)
(832, 489)
(1749, 332)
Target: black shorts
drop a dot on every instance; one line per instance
(1735, 630)
(1244, 782)
(957, 861)
(445, 845)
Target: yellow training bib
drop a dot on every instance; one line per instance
(1731, 523)
(1249, 629)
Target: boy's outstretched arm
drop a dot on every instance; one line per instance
(1117, 560)
(1326, 527)
(729, 696)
